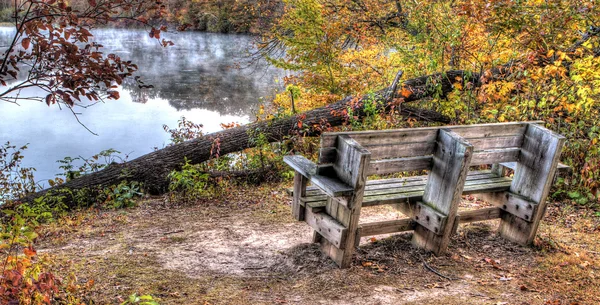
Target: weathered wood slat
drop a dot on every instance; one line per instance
(350, 154)
(331, 186)
(413, 197)
(394, 182)
(412, 149)
(387, 227)
(389, 166)
(533, 177)
(328, 228)
(427, 134)
(430, 218)
(395, 188)
(479, 215)
(299, 192)
(495, 156)
(443, 192)
(561, 168)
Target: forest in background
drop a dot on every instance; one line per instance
(227, 16)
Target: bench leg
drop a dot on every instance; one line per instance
(298, 211)
(349, 219)
(435, 217)
(532, 180)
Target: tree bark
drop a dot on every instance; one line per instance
(152, 169)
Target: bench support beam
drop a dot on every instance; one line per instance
(350, 167)
(443, 190)
(531, 183)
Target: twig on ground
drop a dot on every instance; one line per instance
(173, 232)
(435, 271)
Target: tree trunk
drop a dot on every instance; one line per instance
(152, 169)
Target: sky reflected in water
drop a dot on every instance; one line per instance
(196, 78)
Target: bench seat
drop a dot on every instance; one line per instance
(410, 189)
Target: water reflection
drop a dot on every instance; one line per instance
(195, 78)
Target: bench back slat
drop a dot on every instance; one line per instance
(351, 160)
(406, 164)
(411, 149)
(426, 134)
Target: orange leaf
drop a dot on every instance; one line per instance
(299, 124)
(29, 251)
(405, 92)
(25, 43)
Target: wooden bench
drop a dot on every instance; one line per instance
(332, 205)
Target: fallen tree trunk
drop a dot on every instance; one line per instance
(152, 169)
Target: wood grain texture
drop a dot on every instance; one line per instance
(533, 177)
(479, 215)
(298, 209)
(350, 166)
(329, 184)
(386, 227)
(327, 227)
(427, 134)
(444, 189)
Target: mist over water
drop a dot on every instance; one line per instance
(197, 78)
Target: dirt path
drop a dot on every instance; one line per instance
(238, 252)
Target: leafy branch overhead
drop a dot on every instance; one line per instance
(53, 50)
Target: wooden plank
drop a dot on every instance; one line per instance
(299, 191)
(429, 218)
(486, 143)
(560, 168)
(394, 188)
(403, 149)
(427, 134)
(316, 207)
(514, 204)
(386, 227)
(331, 186)
(495, 156)
(327, 227)
(533, 177)
(347, 165)
(382, 183)
(302, 165)
(479, 215)
(413, 197)
(389, 166)
(444, 189)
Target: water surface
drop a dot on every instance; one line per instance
(197, 78)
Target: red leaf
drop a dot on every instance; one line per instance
(29, 251)
(48, 99)
(25, 43)
(92, 2)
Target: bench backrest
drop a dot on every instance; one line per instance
(351, 161)
(413, 148)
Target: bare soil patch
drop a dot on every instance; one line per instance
(245, 248)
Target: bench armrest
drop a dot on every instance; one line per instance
(330, 184)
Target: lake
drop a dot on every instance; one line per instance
(196, 78)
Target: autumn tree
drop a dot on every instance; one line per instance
(51, 50)
(509, 61)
